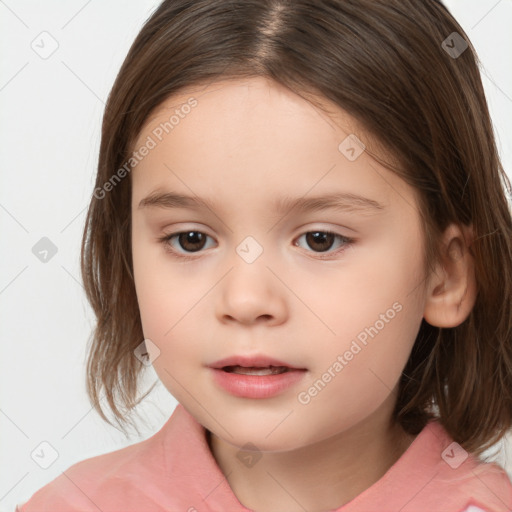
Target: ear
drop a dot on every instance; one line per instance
(451, 291)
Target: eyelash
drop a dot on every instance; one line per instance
(165, 240)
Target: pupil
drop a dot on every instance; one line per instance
(190, 239)
(318, 237)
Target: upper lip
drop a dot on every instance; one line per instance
(257, 361)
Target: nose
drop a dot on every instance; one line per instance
(252, 294)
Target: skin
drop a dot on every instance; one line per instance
(246, 143)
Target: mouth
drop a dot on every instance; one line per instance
(243, 370)
(255, 377)
(253, 365)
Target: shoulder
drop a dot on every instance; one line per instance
(486, 485)
(102, 480)
(466, 480)
(172, 470)
(436, 473)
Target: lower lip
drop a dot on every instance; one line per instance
(256, 386)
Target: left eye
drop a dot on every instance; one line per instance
(323, 240)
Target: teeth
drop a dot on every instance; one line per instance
(271, 370)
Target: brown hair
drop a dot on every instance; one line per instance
(383, 62)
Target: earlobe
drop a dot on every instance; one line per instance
(451, 292)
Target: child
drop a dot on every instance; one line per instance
(366, 373)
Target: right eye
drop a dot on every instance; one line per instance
(190, 241)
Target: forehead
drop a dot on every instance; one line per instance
(248, 99)
(253, 133)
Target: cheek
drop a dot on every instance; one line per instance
(376, 293)
(368, 354)
(354, 378)
(165, 291)
(170, 304)
(375, 311)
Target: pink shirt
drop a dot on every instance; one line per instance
(174, 471)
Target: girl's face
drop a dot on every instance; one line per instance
(254, 276)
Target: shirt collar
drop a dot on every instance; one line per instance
(413, 483)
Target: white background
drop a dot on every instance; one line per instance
(51, 117)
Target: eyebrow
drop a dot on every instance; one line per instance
(341, 201)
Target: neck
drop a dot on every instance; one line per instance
(317, 477)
